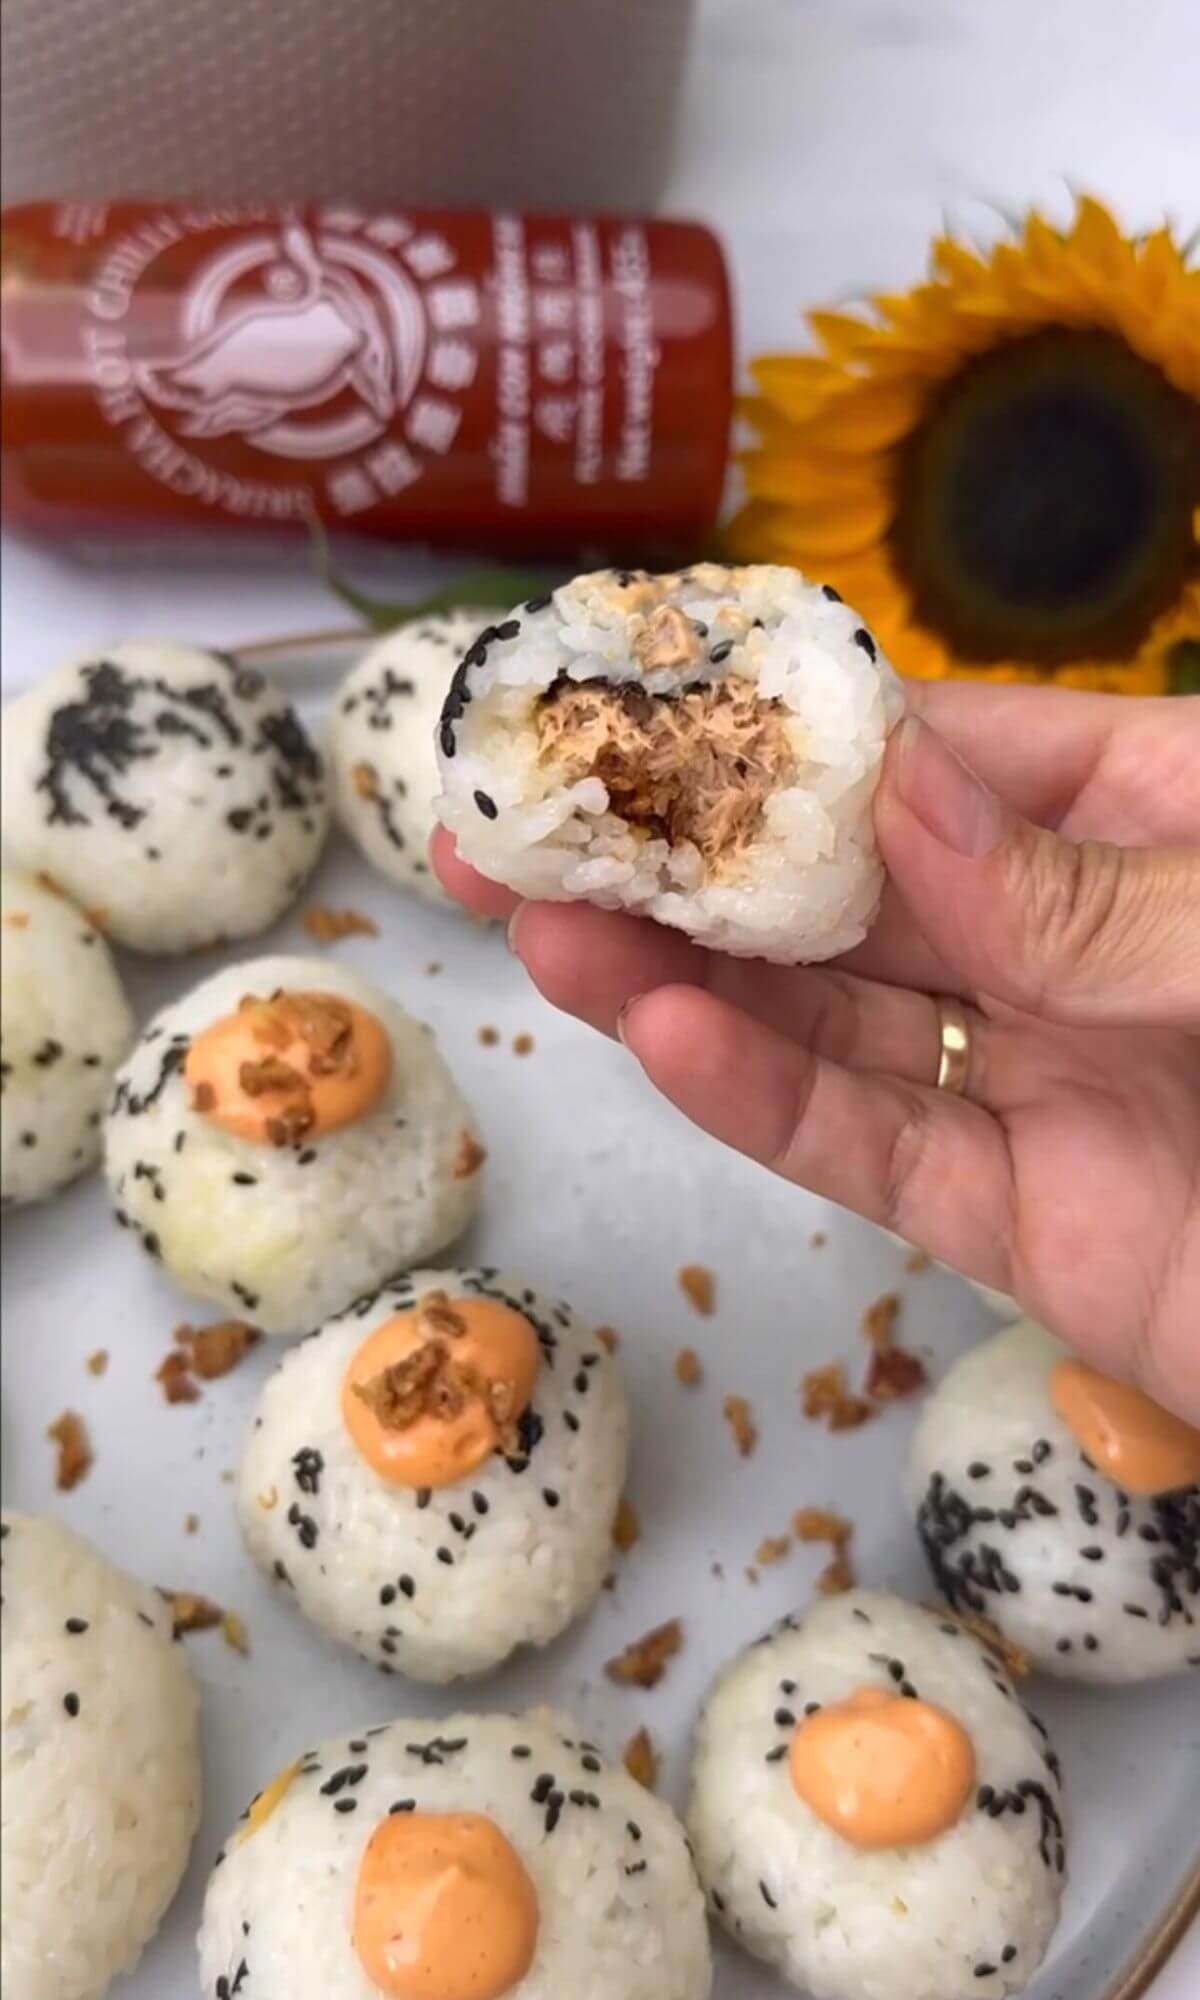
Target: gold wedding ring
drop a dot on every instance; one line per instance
(954, 1045)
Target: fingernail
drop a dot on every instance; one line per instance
(514, 925)
(623, 1019)
(943, 794)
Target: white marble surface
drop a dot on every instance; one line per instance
(826, 139)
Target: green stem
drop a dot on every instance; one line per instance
(494, 588)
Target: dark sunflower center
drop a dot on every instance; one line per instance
(1045, 501)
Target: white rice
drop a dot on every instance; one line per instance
(969, 1912)
(64, 1026)
(1093, 1583)
(449, 1581)
(319, 1223)
(806, 882)
(101, 1766)
(381, 746)
(171, 787)
(620, 1913)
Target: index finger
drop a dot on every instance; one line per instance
(465, 884)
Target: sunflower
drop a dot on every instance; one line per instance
(1000, 468)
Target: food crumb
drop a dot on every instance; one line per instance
(326, 925)
(267, 1499)
(627, 1529)
(821, 1524)
(772, 1549)
(894, 1374)
(988, 1635)
(736, 1412)
(818, 1239)
(489, 1036)
(433, 968)
(234, 1633)
(522, 1045)
(365, 780)
(751, 1573)
(174, 1373)
(824, 1394)
(69, 1433)
(688, 1370)
(17, 920)
(191, 1524)
(469, 1157)
(640, 1759)
(608, 1338)
(644, 1662)
(715, 1569)
(97, 1363)
(917, 1261)
(212, 1351)
(878, 1322)
(699, 1287)
(190, 1612)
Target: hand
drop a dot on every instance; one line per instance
(1057, 893)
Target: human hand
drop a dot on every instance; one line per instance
(1057, 895)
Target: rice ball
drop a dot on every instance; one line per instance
(101, 1764)
(486, 1855)
(434, 1475)
(1065, 1506)
(701, 748)
(285, 1137)
(381, 746)
(64, 1026)
(872, 1810)
(173, 789)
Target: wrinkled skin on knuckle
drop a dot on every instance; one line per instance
(1066, 900)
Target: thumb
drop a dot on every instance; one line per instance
(1082, 932)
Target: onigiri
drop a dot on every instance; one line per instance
(1065, 1506)
(487, 1855)
(382, 758)
(285, 1137)
(101, 1764)
(434, 1476)
(701, 748)
(171, 790)
(873, 1812)
(64, 1026)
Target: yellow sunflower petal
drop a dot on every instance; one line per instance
(816, 529)
(1097, 238)
(791, 475)
(839, 333)
(866, 416)
(796, 384)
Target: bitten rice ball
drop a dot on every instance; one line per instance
(490, 1855)
(1065, 1506)
(381, 746)
(701, 748)
(172, 791)
(434, 1475)
(285, 1137)
(872, 1810)
(64, 1026)
(101, 1764)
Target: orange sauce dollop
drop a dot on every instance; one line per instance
(433, 1392)
(883, 1770)
(286, 1069)
(443, 1908)
(1129, 1438)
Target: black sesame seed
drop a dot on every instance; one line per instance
(480, 1503)
(784, 1719)
(863, 638)
(543, 1786)
(834, 596)
(977, 1469)
(984, 1970)
(487, 806)
(388, 1594)
(76, 1625)
(721, 651)
(1008, 1954)
(767, 1897)
(633, 1829)
(550, 1496)
(407, 1586)
(984, 1797)
(521, 1749)
(1092, 1554)
(444, 1556)
(245, 1180)
(590, 1763)
(345, 1805)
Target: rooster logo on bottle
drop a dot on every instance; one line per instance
(304, 345)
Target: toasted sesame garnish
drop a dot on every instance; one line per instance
(174, 1373)
(191, 1524)
(820, 1524)
(825, 1394)
(203, 1097)
(488, 1035)
(469, 1157)
(687, 1368)
(429, 1382)
(879, 1321)
(640, 1759)
(522, 1045)
(627, 1529)
(608, 1338)
(772, 1549)
(438, 1319)
(234, 1633)
(988, 1635)
(894, 1374)
(267, 1499)
(326, 925)
(644, 1662)
(365, 781)
(190, 1612)
(69, 1433)
(212, 1351)
(917, 1261)
(736, 1412)
(699, 1287)
(97, 1363)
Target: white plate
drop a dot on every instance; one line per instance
(601, 1191)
